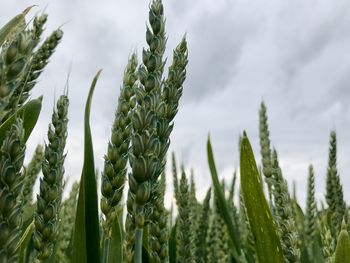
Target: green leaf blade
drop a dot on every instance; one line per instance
(115, 251)
(29, 113)
(223, 206)
(342, 252)
(267, 243)
(86, 240)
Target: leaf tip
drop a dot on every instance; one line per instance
(99, 72)
(26, 11)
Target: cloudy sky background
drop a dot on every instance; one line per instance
(294, 55)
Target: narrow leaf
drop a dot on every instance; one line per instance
(86, 240)
(172, 245)
(223, 206)
(24, 242)
(115, 253)
(267, 243)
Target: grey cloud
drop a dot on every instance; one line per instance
(292, 54)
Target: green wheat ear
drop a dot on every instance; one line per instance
(328, 245)
(38, 27)
(202, 230)
(174, 175)
(265, 148)
(66, 227)
(145, 144)
(114, 172)
(218, 250)
(34, 68)
(11, 181)
(185, 243)
(31, 174)
(158, 227)
(284, 214)
(13, 61)
(152, 117)
(51, 185)
(334, 189)
(311, 216)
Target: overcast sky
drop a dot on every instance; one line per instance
(294, 55)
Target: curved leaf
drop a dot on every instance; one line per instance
(267, 243)
(86, 240)
(223, 206)
(29, 114)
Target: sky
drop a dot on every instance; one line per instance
(293, 55)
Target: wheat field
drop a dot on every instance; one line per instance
(116, 213)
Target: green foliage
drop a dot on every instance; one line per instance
(260, 219)
(236, 225)
(223, 207)
(86, 239)
(342, 252)
(29, 113)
